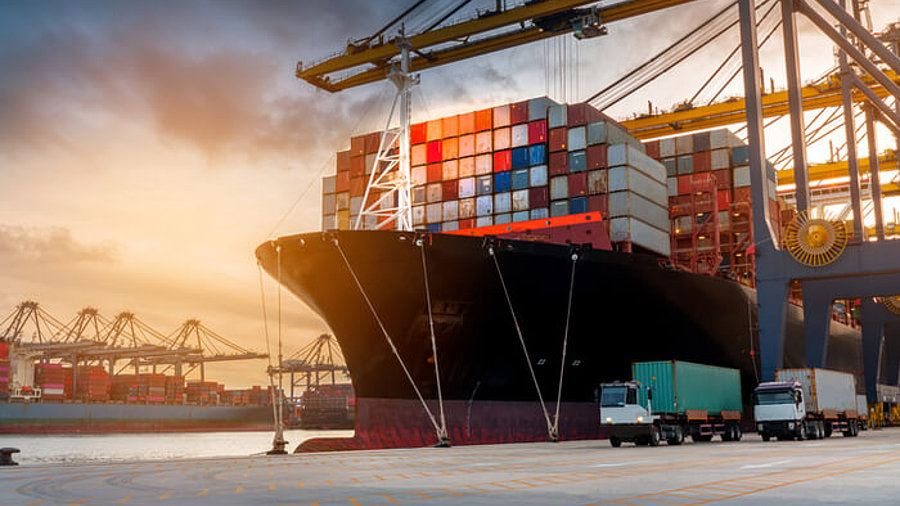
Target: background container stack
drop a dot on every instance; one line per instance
(259, 396)
(174, 389)
(517, 162)
(92, 384)
(709, 193)
(202, 392)
(4, 371)
(152, 388)
(51, 379)
(124, 388)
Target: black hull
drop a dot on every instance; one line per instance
(625, 308)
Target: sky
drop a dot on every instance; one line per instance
(146, 149)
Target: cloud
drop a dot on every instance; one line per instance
(52, 244)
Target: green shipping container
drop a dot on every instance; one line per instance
(679, 386)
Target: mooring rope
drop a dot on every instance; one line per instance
(387, 336)
(562, 365)
(442, 432)
(522, 341)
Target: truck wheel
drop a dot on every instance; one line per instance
(765, 437)
(820, 426)
(615, 442)
(801, 432)
(653, 439)
(828, 430)
(676, 439)
(738, 433)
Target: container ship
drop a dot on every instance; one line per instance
(518, 210)
(54, 398)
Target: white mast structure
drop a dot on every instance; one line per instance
(390, 174)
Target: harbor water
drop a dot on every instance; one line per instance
(94, 448)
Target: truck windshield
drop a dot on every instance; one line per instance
(774, 397)
(613, 397)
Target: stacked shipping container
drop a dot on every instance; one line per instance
(709, 199)
(524, 161)
(51, 378)
(203, 392)
(5, 371)
(92, 384)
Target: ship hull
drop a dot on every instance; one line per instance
(88, 418)
(624, 308)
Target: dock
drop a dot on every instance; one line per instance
(859, 470)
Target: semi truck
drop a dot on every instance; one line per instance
(806, 403)
(671, 400)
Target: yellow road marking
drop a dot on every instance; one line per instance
(166, 495)
(203, 492)
(37, 503)
(271, 486)
(238, 490)
(86, 499)
(301, 484)
(125, 499)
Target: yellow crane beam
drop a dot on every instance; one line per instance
(729, 112)
(379, 55)
(834, 170)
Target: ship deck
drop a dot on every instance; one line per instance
(839, 471)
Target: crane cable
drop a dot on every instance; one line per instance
(522, 341)
(442, 432)
(562, 364)
(387, 336)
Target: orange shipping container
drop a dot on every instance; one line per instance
(466, 145)
(450, 148)
(483, 120)
(450, 126)
(435, 132)
(466, 123)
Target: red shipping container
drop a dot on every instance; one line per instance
(466, 123)
(4, 351)
(537, 132)
(502, 160)
(450, 126)
(723, 179)
(450, 148)
(434, 152)
(578, 184)
(684, 185)
(435, 172)
(450, 190)
(596, 157)
(467, 223)
(538, 197)
(559, 163)
(484, 120)
(599, 204)
(559, 138)
(702, 161)
(343, 161)
(724, 200)
(518, 113)
(358, 145)
(342, 182)
(742, 195)
(652, 148)
(373, 141)
(418, 133)
(357, 166)
(576, 114)
(357, 186)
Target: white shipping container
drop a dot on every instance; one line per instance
(328, 184)
(520, 201)
(502, 203)
(741, 177)
(501, 139)
(501, 116)
(520, 216)
(484, 221)
(557, 116)
(484, 205)
(539, 175)
(418, 215)
(684, 145)
(370, 163)
(433, 213)
(625, 203)
(483, 164)
(887, 393)
(537, 108)
(449, 226)
(719, 159)
(673, 186)
(605, 132)
(666, 148)
(451, 210)
(467, 187)
(355, 205)
(519, 135)
(823, 389)
(640, 234)
(419, 175)
(502, 219)
(539, 213)
(628, 178)
(723, 138)
(862, 405)
(328, 222)
(577, 138)
(624, 154)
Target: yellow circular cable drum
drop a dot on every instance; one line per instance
(814, 241)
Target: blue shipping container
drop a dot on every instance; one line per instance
(502, 182)
(520, 157)
(520, 179)
(537, 154)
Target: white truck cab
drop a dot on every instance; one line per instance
(780, 410)
(621, 409)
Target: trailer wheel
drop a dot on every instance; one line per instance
(827, 426)
(678, 438)
(801, 432)
(738, 433)
(615, 442)
(820, 426)
(765, 437)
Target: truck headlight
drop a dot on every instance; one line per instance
(608, 419)
(790, 425)
(759, 427)
(640, 419)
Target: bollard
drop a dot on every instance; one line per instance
(6, 456)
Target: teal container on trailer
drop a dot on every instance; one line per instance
(678, 386)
